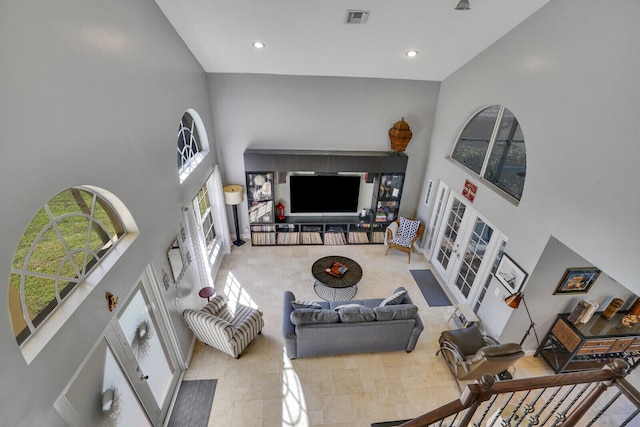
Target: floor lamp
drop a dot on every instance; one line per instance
(513, 301)
(233, 195)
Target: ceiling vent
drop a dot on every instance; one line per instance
(357, 16)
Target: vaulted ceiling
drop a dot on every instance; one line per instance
(311, 37)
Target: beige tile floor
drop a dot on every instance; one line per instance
(265, 388)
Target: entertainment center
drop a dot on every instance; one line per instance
(325, 193)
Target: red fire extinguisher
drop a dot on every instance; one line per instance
(280, 211)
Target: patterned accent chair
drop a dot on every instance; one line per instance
(408, 232)
(219, 327)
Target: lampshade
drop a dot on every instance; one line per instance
(233, 194)
(513, 300)
(463, 5)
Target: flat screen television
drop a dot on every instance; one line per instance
(324, 193)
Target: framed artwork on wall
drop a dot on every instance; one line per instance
(510, 274)
(577, 281)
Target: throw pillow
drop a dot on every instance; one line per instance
(356, 313)
(408, 227)
(340, 307)
(394, 299)
(305, 304)
(306, 316)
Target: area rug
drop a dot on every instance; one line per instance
(430, 288)
(193, 404)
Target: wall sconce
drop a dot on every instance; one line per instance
(113, 301)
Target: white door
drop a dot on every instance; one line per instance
(130, 376)
(100, 394)
(450, 237)
(478, 241)
(438, 211)
(464, 241)
(138, 336)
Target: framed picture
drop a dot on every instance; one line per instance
(577, 281)
(510, 274)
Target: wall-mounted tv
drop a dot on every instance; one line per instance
(324, 193)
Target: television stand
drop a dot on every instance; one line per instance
(265, 169)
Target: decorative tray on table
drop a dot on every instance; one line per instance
(336, 269)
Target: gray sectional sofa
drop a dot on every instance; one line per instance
(323, 328)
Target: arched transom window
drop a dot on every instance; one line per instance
(67, 238)
(492, 145)
(190, 144)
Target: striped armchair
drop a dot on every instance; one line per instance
(219, 327)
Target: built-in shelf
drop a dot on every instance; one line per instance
(386, 170)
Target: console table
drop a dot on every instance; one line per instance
(568, 347)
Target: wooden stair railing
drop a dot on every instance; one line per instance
(534, 401)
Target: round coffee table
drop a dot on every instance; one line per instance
(329, 286)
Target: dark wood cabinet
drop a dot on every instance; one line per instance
(569, 347)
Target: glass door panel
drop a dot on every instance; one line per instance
(472, 259)
(448, 238)
(443, 191)
(140, 329)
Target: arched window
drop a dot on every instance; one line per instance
(65, 240)
(492, 145)
(192, 143)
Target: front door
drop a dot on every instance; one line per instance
(139, 339)
(130, 376)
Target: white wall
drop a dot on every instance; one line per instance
(319, 113)
(569, 74)
(91, 93)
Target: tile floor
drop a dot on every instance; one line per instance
(265, 388)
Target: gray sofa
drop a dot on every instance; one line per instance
(360, 326)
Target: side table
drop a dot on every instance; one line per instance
(207, 292)
(464, 316)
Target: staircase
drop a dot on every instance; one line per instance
(563, 400)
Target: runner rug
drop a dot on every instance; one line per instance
(430, 288)
(193, 404)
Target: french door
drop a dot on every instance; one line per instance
(465, 240)
(450, 237)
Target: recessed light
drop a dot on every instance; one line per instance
(412, 53)
(258, 45)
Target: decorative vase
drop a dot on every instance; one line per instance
(400, 135)
(612, 308)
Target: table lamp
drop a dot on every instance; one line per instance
(233, 195)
